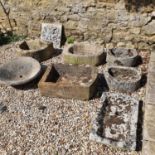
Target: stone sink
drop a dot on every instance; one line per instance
(19, 71)
(36, 49)
(69, 81)
(115, 123)
(84, 53)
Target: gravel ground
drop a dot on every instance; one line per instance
(35, 125)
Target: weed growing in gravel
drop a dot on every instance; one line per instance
(70, 40)
(6, 38)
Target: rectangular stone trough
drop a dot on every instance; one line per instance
(116, 122)
(69, 81)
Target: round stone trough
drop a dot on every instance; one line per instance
(19, 71)
(84, 53)
(36, 49)
(122, 57)
(123, 79)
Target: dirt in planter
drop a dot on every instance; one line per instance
(123, 74)
(115, 119)
(73, 74)
(122, 52)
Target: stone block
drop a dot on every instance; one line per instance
(52, 32)
(149, 123)
(149, 29)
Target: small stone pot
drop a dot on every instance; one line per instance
(84, 53)
(36, 49)
(123, 79)
(122, 57)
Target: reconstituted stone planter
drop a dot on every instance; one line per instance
(122, 57)
(124, 79)
(19, 71)
(37, 49)
(84, 53)
(69, 81)
(116, 122)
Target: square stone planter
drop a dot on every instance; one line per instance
(69, 81)
(116, 122)
(84, 53)
(37, 49)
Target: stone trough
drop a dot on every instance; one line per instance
(84, 53)
(122, 57)
(37, 49)
(19, 71)
(124, 79)
(116, 123)
(69, 81)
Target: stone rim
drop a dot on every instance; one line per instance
(122, 85)
(22, 81)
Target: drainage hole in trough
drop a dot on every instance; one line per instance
(20, 76)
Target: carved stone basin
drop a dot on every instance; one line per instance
(116, 121)
(69, 81)
(84, 53)
(19, 71)
(37, 49)
(124, 79)
(122, 57)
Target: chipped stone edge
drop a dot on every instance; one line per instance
(134, 120)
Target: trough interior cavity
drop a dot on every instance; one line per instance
(120, 52)
(123, 74)
(83, 49)
(69, 74)
(31, 45)
(114, 118)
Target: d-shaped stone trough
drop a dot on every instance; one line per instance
(84, 53)
(37, 49)
(122, 57)
(116, 122)
(69, 81)
(123, 79)
(19, 71)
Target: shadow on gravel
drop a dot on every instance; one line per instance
(102, 86)
(140, 127)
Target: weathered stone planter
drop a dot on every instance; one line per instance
(125, 79)
(84, 53)
(116, 123)
(122, 57)
(35, 48)
(69, 81)
(19, 71)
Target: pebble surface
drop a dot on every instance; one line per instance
(36, 125)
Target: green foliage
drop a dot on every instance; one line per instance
(70, 40)
(9, 38)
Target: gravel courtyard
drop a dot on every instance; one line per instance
(35, 125)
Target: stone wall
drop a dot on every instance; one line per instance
(109, 22)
